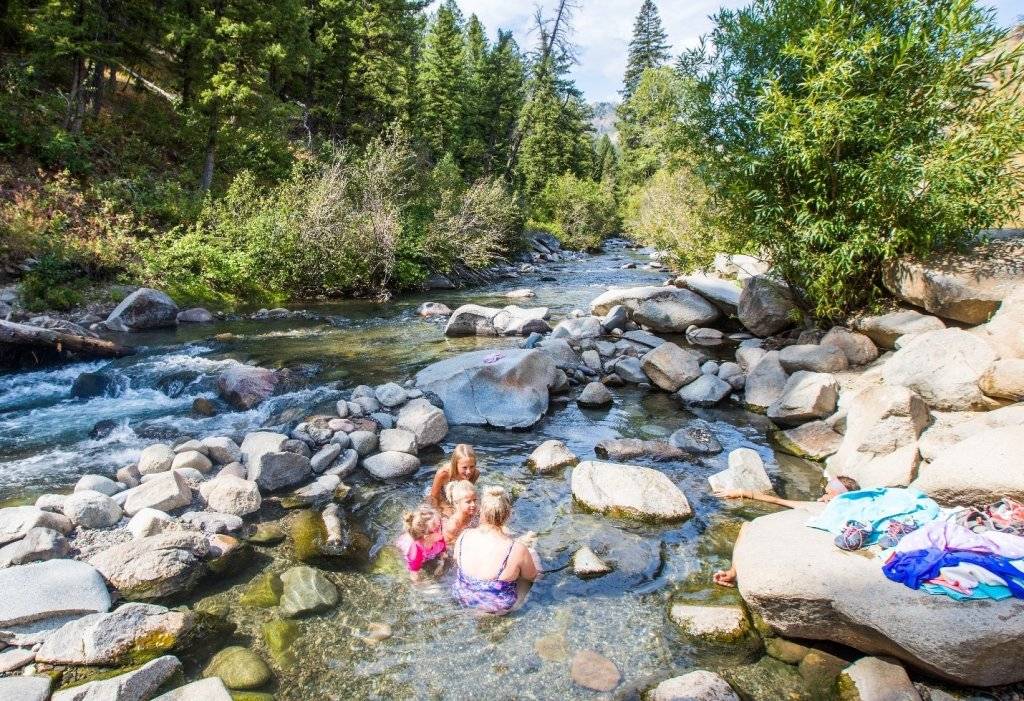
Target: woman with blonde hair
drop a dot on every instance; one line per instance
(462, 466)
(490, 562)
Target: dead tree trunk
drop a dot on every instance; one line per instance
(22, 345)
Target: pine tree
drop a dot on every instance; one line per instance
(504, 87)
(442, 84)
(474, 147)
(649, 47)
(605, 160)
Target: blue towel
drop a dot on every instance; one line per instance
(916, 567)
(875, 508)
(982, 591)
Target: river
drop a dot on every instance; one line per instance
(436, 651)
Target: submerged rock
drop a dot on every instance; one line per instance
(695, 686)
(628, 448)
(714, 624)
(550, 456)
(696, 438)
(628, 491)
(239, 668)
(586, 564)
(306, 591)
(594, 671)
(136, 685)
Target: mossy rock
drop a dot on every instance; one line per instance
(267, 534)
(208, 633)
(262, 592)
(388, 562)
(309, 535)
(821, 671)
(786, 650)
(239, 668)
(232, 562)
(768, 680)
(279, 635)
(250, 695)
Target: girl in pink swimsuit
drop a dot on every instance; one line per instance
(423, 540)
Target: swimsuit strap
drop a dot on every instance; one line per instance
(505, 561)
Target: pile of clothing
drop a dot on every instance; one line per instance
(963, 553)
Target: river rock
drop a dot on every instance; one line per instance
(724, 294)
(595, 396)
(92, 384)
(695, 686)
(51, 589)
(306, 591)
(871, 678)
(815, 440)
(210, 522)
(696, 438)
(391, 395)
(196, 315)
(424, 420)
(630, 370)
(192, 459)
(551, 455)
(944, 368)
(211, 689)
(505, 389)
(246, 386)
(115, 638)
(273, 471)
(965, 287)
(749, 353)
(319, 491)
(765, 383)
(806, 396)
(766, 306)
(13, 658)
(51, 502)
(39, 544)
(643, 338)
(615, 318)
(147, 522)
(1005, 330)
(886, 329)
(813, 358)
(579, 328)
(586, 564)
(327, 455)
(705, 391)
(344, 465)
(97, 483)
(143, 309)
(594, 671)
(17, 521)
(879, 448)
(979, 470)
(91, 509)
(398, 440)
(364, 442)
(715, 624)
(476, 320)
(858, 348)
(239, 668)
(391, 464)
(670, 367)
(153, 567)
(666, 309)
(430, 309)
(164, 492)
(802, 586)
(1004, 379)
(628, 491)
(745, 471)
(156, 458)
(619, 449)
(24, 688)
(137, 685)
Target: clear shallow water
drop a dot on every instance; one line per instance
(437, 650)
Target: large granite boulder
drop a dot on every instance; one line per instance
(154, 567)
(667, 309)
(670, 367)
(981, 469)
(506, 388)
(246, 386)
(17, 521)
(628, 491)
(425, 421)
(137, 685)
(48, 590)
(1004, 379)
(766, 306)
(476, 320)
(965, 287)
(808, 356)
(230, 494)
(765, 383)
(944, 368)
(724, 294)
(803, 586)
(164, 492)
(857, 347)
(886, 329)
(806, 396)
(143, 309)
(879, 448)
(1005, 331)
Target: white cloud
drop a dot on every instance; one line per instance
(604, 27)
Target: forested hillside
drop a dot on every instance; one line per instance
(236, 150)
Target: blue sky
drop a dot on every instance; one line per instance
(603, 29)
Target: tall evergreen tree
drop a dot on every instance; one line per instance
(441, 84)
(649, 47)
(474, 147)
(504, 91)
(605, 160)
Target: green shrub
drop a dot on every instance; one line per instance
(53, 283)
(580, 213)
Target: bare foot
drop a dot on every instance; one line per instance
(725, 578)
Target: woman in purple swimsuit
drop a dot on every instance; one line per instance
(490, 562)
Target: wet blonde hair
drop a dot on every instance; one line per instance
(462, 450)
(495, 506)
(418, 522)
(453, 491)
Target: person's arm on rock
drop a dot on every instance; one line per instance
(760, 496)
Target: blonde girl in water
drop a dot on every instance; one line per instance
(422, 541)
(462, 495)
(462, 466)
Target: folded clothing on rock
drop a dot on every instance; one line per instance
(951, 536)
(917, 567)
(874, 509)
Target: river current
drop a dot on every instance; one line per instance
(436, 650)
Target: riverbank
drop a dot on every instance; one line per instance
(624, 616)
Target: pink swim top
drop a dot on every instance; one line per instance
(416, 554)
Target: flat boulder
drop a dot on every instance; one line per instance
(981, 469)
(506, 388)
(17, 521)
(886, 329)
(143, 309)
(666, 309)
(705, 391)
(806, 396)
(550, 456)
(628, 491)
(619, 449)
(477, 320)
(164, 492)
(966, 287)
(670, 367)
(944, 368)
(724, 294)
(807, 356)
(51, 589)
(696, 438)
(137, 685)
(246, 386)
(154, 567)
(115, 638)
(803, 586)
(391, 464)
(765, 306)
